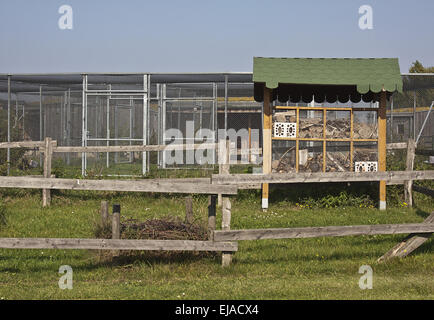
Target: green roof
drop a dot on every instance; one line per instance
(366, 74)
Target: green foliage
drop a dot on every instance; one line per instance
(16, 135)
(2, 214)
(417, 67)
(343, 199)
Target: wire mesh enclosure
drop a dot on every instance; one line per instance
(165, 109)
(100, 110)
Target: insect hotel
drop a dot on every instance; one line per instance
(324, 115)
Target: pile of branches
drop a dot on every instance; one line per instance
(364, 130)
(286, 162)
(313, 164)
(166, 228)
(338, 161)
(311, 128)
(338, 128)
(365, 155)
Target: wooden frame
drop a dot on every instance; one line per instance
(324, 138)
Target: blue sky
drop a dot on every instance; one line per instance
(206, 36)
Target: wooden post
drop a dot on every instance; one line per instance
(104, 213)
(382, 146)
(224, 161)
(249, 120)
(211, 215)
(48, 152)
(411, 146)
(266, 145)
(116, 225)
(226, 225)
(188, 209)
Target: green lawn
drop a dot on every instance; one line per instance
(321, 268)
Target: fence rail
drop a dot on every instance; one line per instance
(330, 231)
(388, 176)
(146, 185)
(116, 244)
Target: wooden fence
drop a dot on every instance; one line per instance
(223, 184)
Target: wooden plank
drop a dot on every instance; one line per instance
(115, 244)
(409, 244)
(398, 145)
(425, 191)
(145, 185)
(326, 139)
(314, 177)
(313, 232)
(409, 167)
(187, 180)
(140, 148)
(249, 186)
(25, 144)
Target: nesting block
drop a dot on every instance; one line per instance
(284, 129)
(366, 166)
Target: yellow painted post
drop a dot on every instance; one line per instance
(266, 144)
(382, 147)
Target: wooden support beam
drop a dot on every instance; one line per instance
(318, 177)
(116, 225)
(266, 143)
(224, 161)
(145, 185)
(409, 244)
(314, 232)
(212, 199)
(382, 127)
(397, 145)
(25, 144)
(116, 244)
(226, 225)
(137, 148)
(48, 154)
(409, 167)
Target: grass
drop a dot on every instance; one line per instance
(318, 268)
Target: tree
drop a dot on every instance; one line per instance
(417, 67)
